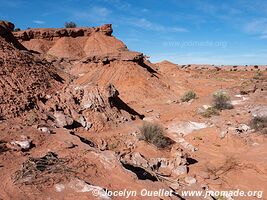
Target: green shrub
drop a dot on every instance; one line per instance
(221, 100)
(259, 124)
(70, 25)
(209, 112)
(188, 96)
(153, 133)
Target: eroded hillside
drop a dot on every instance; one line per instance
(79, 113)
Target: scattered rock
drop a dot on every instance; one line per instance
(81, 186)
(157, 115)
(186, 145)
(180, 170)
(62, 120)
(243, 128)
(255, 144)
(59, 187)
(186, 127)
(44, 129)
(223, 134)
(24, 144)
(175, 186)
(206, 106)
(84, 123)
(190, 180)
(136, 159)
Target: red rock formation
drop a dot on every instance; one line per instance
(24, 79)
(72, 43)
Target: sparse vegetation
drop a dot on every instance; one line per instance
(209, 112)
(188, 96)
(259, 124)
(258, 75)
(153, 133)
(221, 101)
(220, 197)
(42, 169)
(70, 25)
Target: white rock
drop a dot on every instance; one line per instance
(180, 170)
(245, 127)
(186, 127)
(206, 106)
(24, 144)
(44, 129)
(260, 111)
(82, 121)
(149, 119)
(255, 144)
(59, 187)
(81, 186)
(62, 119)
(223, 134)
(190, 180)
(87, 105)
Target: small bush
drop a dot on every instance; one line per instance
(258, 75)
(259, 124)
(17, 29)
(188, 96)
(221, 101)
(209, 112)
(153, 133)
(70, 25)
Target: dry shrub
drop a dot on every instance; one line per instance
(153, 133)
(3, 147)
(70, 25)
(188, 96)
(258, 75)
(209, 112)
(221, 100)
(39, 171)
(259, 124)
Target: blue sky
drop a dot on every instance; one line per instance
(192, 31)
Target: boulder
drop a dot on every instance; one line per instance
(138, 160)
(260, 111)
(62, 120)
(23, 144)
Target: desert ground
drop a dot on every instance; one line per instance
(80, 112)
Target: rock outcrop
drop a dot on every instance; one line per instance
(71, 43)
(24, 78)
